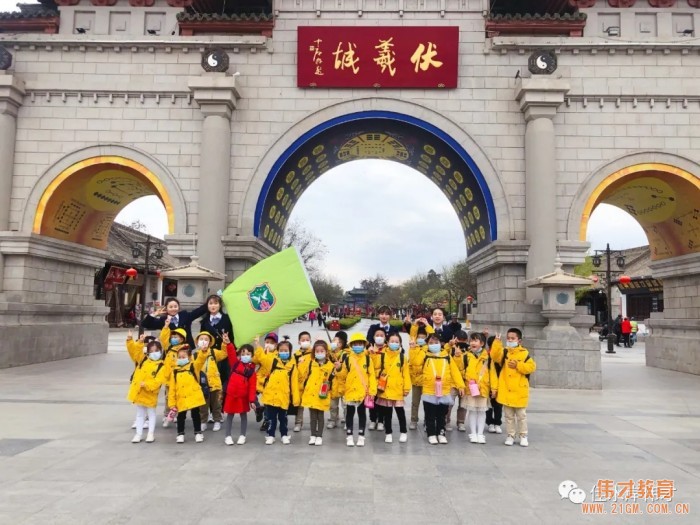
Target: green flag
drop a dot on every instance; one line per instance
(275, 291)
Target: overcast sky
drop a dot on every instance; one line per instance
(383, 217)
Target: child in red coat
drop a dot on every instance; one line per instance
(241, 390)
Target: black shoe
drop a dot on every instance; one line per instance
(265, 426)
(259, 414)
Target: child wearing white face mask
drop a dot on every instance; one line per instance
(301, 356)
(205, 344)
(145, 387)
(393, 385)
(339, 348)
(317, 390)
(376, 422)
(418, 347)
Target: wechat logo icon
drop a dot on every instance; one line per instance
(569, 490)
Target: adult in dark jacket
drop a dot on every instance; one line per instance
(384, 313)
(216, 322)
(180, 318)
(445, 331)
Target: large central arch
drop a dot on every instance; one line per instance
(415, 136)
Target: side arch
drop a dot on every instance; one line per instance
(140, 175)
(661, 190)
(409, 110)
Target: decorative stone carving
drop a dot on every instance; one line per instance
(662, 3)
(103, 3)
(142, 3)
(180, 3)
(621, 3)
(581, 3)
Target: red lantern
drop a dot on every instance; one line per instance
(595, 279)
(131, 273)
(625, 279)
(469, 299)
(158, 273)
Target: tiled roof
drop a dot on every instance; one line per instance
(215, 17)
(538, 17)
(122, 238)
(33, 11)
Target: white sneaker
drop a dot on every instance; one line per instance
(473, 438)
(349, 441)
(286, 440)
(297, 428)
(145, 423)
(269, 440)
(210, 418)
(136, 438)
(442, 439)
(180, 438)
(198, 438)
(166, 422)
(150, 438)
(523, 441)
(312, 440)
(509, 441)
(412, 425)
(403, 438)
(372, 425)
(228, 440)
(380, 427)
(319, 441)
(432, 440)
(361, 441)
(204, 427)
(449, 428)
(241, 440)
(331, 424)
(217, 427)
(388, 439)
(462, 428)
(133, 426)
(492, 429)
(481, 439)
(498, 428)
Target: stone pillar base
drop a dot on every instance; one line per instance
(47, 309)
(674, 345)
(566, 360)
(36, 333)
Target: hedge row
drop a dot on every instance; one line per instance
(348, 322)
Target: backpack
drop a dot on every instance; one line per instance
(203, 381)
(137, 367)
(330, 376)
(275, 367)
(346, 361)
(499, 366)
(247, 371)
(381, 367)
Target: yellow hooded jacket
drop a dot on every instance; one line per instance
(318, 375)
(169, 352)
(152, 374)
(211, 357)
(281, 387)
(302, 360)
(415, 359)
(263, 370)
(512, 385)
(440, 365)
(134, 348)
(338, 389)
(479, 369)
(398, 376)
(358, 386)
(184, 391)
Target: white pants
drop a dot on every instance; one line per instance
(141, 412)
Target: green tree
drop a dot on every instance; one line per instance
(311, 248)
(328, 291)
(392, 296)
(375, 286)
(459, 281)
(415, 288)
(585, 269)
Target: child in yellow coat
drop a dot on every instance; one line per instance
(185, 392)
(144, 390)
(205, 345)
(513, 387)
(479, 375)
(360, 384)
(440, 374)
(302, 356)
(136, 348)
(280, 390)
(417, 348)
(317, 390)
(393, 385)
(171, 341)
(339, 348)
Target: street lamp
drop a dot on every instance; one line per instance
(136, 252)
(620, 260)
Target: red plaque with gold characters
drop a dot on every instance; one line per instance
(377, 57)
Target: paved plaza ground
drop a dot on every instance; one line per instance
(66, 457)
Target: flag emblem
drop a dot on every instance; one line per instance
(261, 298)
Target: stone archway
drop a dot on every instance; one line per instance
(662, 192)
(340, 114)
